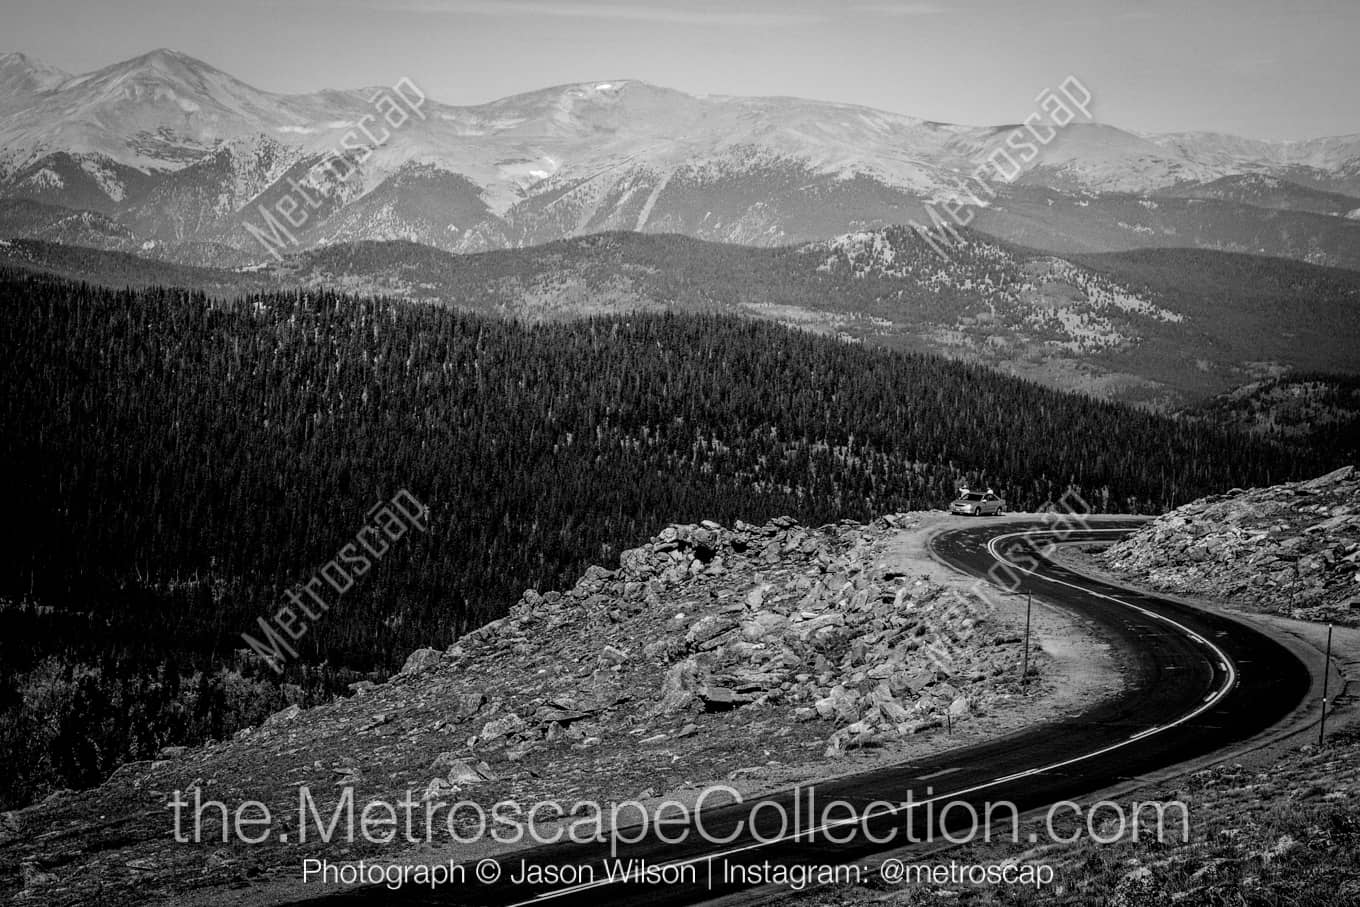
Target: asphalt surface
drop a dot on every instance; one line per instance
(1195, 683)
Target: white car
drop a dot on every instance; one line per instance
(978, 503)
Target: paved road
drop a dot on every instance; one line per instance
(1196, 683)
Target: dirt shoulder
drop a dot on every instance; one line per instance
(1080, 668)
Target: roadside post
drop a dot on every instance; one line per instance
(1326, 675)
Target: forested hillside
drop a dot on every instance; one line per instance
(1304, 409)
(175, 464)
(1164, 328)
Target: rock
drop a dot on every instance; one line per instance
(564, 717)
(705, 631)
(468, 705)
(1331, 478)
(893, 711)
(420, 661)
(517, 751)
(10, 824)
(763, 625)
(746, 771)
(283, 716)
(677, 688)
(377, 721)
(1273, 549)
(500, 727)
(663, 649)
(611, 655)
(456, 770)
(719, 699)
(839, 704)
(347, 776)
(438, 789)
(35, 877)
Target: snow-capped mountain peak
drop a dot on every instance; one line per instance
(186, 151)
(22, 75)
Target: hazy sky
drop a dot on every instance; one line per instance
(1264, 69)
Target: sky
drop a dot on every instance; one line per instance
(1271, 70)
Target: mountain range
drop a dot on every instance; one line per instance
(168, 156)
(1159, 327)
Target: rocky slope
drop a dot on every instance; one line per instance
(1291, 549)
(757, 652)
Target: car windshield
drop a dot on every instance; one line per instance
(971, 496)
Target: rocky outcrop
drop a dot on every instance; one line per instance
(1291, 549)
(705, 619)
(709, 653)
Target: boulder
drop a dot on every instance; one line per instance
(564, 717)
(677, 687)
(611, 655)
(283, 716)
(763, 625)
(467, 705)
(457, 771)
(893, 711)
(497, 728)
(420, 661)
(721, 699)
(439, 788)
(705, 631)
(839, 704)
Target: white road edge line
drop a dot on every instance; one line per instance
(1209, 702)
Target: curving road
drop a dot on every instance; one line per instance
(1195, 683)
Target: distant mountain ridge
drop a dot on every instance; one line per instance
(183, 155)
(1165, 327)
